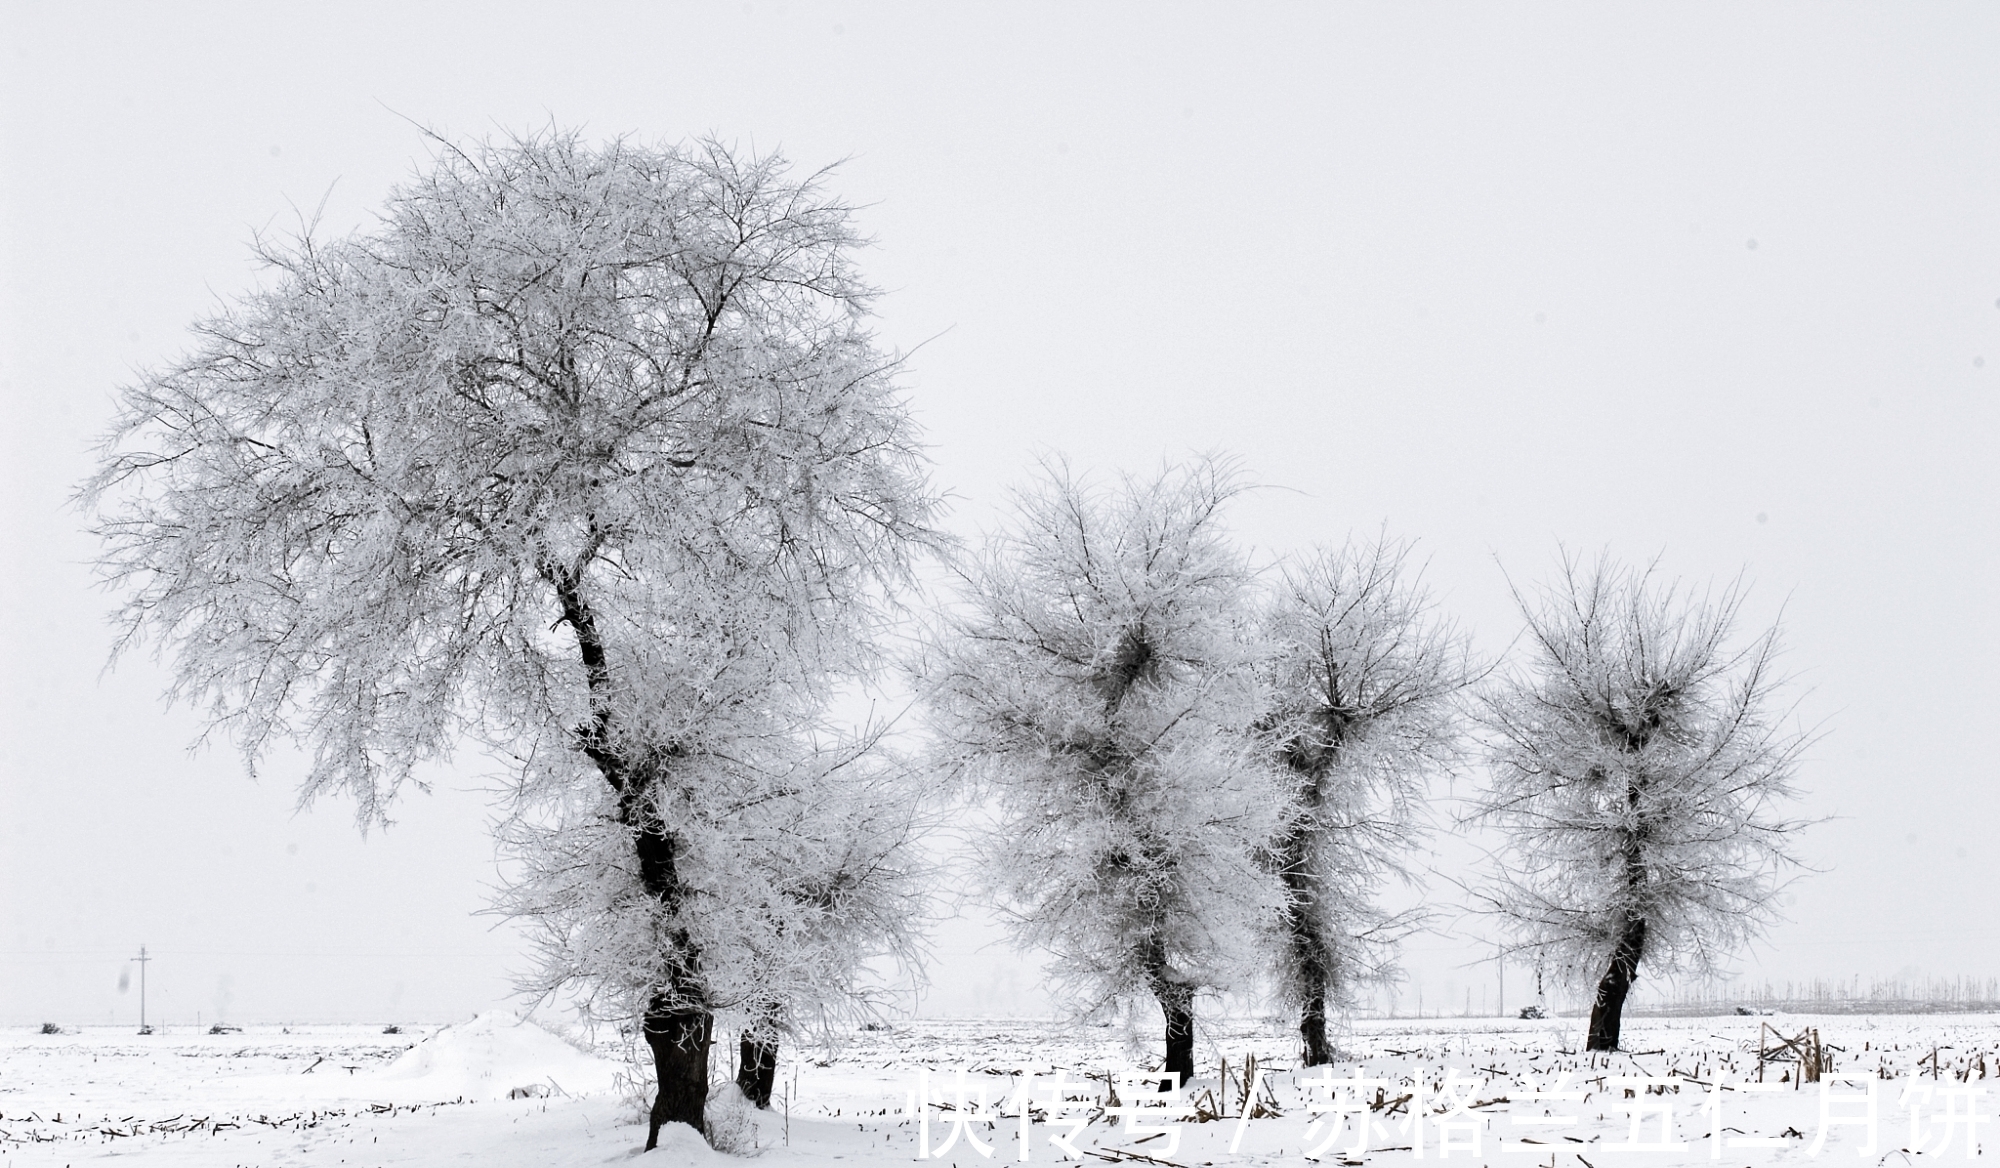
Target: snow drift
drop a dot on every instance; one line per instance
(495, 1056)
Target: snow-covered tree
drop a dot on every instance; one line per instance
(1641, 768)
(583, 452)
(1362, 686)
(1097, 678)
(799, 870)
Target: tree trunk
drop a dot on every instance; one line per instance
(679, 1028)
(1177, 1002)
(1309, 952)
(757, 1070)
(1311, 763)
(1312, 1028)
(1607, 1011)
(680, 1039)
(677, 1025)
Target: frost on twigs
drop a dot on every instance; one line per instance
(585, 454)
(1642, 766)
(349, 516)
(1362, 684)
(1097, 677)
(800, 868)
(732, 1120)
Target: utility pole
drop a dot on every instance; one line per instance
(142, 959)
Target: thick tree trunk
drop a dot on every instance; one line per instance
(680, 1040)
(1176, 999)
(1309, 954)
(1177, 1002)
(757, 1070)
(1608, 1010)
(678, 1027)
(1311, 762)
(1312, 1028)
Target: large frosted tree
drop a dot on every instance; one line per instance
(582, 452)
(1096, 677)
(1363, 680)
(1642, 765)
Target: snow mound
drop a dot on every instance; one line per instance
(495, 1056)
(681, 1144)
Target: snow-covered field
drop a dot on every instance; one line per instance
(498, 1094)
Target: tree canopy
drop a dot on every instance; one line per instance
(1098, 675)
(1641, 769)
(1362, 680)
(585, 453)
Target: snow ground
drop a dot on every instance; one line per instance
(347, 1095)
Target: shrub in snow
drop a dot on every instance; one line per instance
(732, 1120)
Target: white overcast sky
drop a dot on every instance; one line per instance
(1716, 283)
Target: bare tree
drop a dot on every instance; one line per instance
(1641, 764)
(583, 452)
(1362, 685)
(1098, 677)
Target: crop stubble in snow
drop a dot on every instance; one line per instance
(187, 1099)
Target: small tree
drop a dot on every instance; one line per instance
(847, 891)
(806, 872)
(1362, 681)
(583, 452)
(1640, 766)
(1098, 678)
